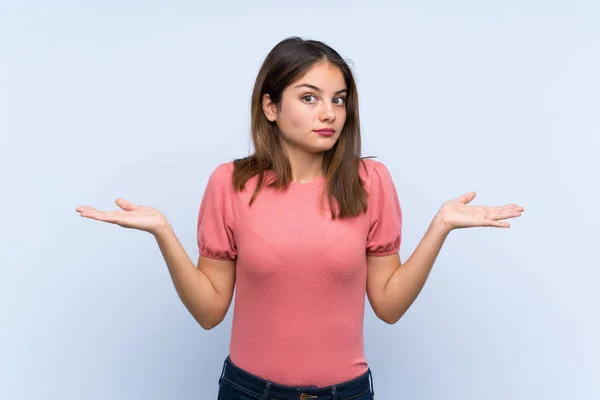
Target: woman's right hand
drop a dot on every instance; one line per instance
(133, 217)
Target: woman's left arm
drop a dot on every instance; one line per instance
(392, 287)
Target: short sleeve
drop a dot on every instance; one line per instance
(385, 215)
(216, 217)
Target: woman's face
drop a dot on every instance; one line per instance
(316, 101)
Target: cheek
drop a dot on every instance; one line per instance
(298, 118)
(298, 122)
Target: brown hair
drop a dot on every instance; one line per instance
(287, 62)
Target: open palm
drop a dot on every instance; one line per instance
(457, 213)
(131, 216)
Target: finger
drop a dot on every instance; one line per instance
(85, 209)
(502, 213)
(104, 217)
(467, 197)
(501, 209)
(113, 214)
(501, 217)
(107, 216)
(89, 213)
(125, 205)
(498, 224)
(98, 217)
(512, 207)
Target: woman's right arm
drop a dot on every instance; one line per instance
(206, 291)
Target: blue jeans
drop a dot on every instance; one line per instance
(238, 384)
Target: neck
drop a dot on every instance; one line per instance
(306, 167)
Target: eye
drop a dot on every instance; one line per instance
(341, 102)
(307, 96)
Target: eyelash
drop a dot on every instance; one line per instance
(312, 95)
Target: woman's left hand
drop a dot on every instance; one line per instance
(456, 214)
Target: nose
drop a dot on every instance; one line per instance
(327, 112)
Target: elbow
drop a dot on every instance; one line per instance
(213, 323)
(207, 317)
(208, 323)
(207, 327)
(389, 319)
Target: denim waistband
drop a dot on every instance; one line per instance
(265, 389)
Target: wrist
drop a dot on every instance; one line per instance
(439, 224)
(163, 231)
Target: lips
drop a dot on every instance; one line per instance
(325, 131)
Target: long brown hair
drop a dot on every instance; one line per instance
(287, 62)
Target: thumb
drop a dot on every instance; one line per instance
(125, 205)
(467, 197)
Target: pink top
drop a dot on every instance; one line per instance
(300, 276)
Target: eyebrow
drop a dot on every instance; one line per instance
(319, 90)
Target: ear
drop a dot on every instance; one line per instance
(269, 108)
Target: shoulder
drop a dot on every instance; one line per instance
(223, 171)
(222, 175)
(372, 171)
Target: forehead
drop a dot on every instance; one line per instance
(326, 76)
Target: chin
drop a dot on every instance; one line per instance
(322, 147)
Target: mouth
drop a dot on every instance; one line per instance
(325, 132)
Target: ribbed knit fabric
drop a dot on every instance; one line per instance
(300, 276)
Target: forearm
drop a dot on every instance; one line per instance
(193, 287)
(408, 280)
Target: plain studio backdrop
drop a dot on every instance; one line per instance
(142, 100)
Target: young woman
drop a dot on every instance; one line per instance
(301, 228)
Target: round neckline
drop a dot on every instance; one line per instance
(297, 186)
(314, 184)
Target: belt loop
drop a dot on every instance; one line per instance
(372, 390)
(223, 371)
(334, 392)
(266, 392)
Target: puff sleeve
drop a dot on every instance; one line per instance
(215, 229)
(385, 215)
